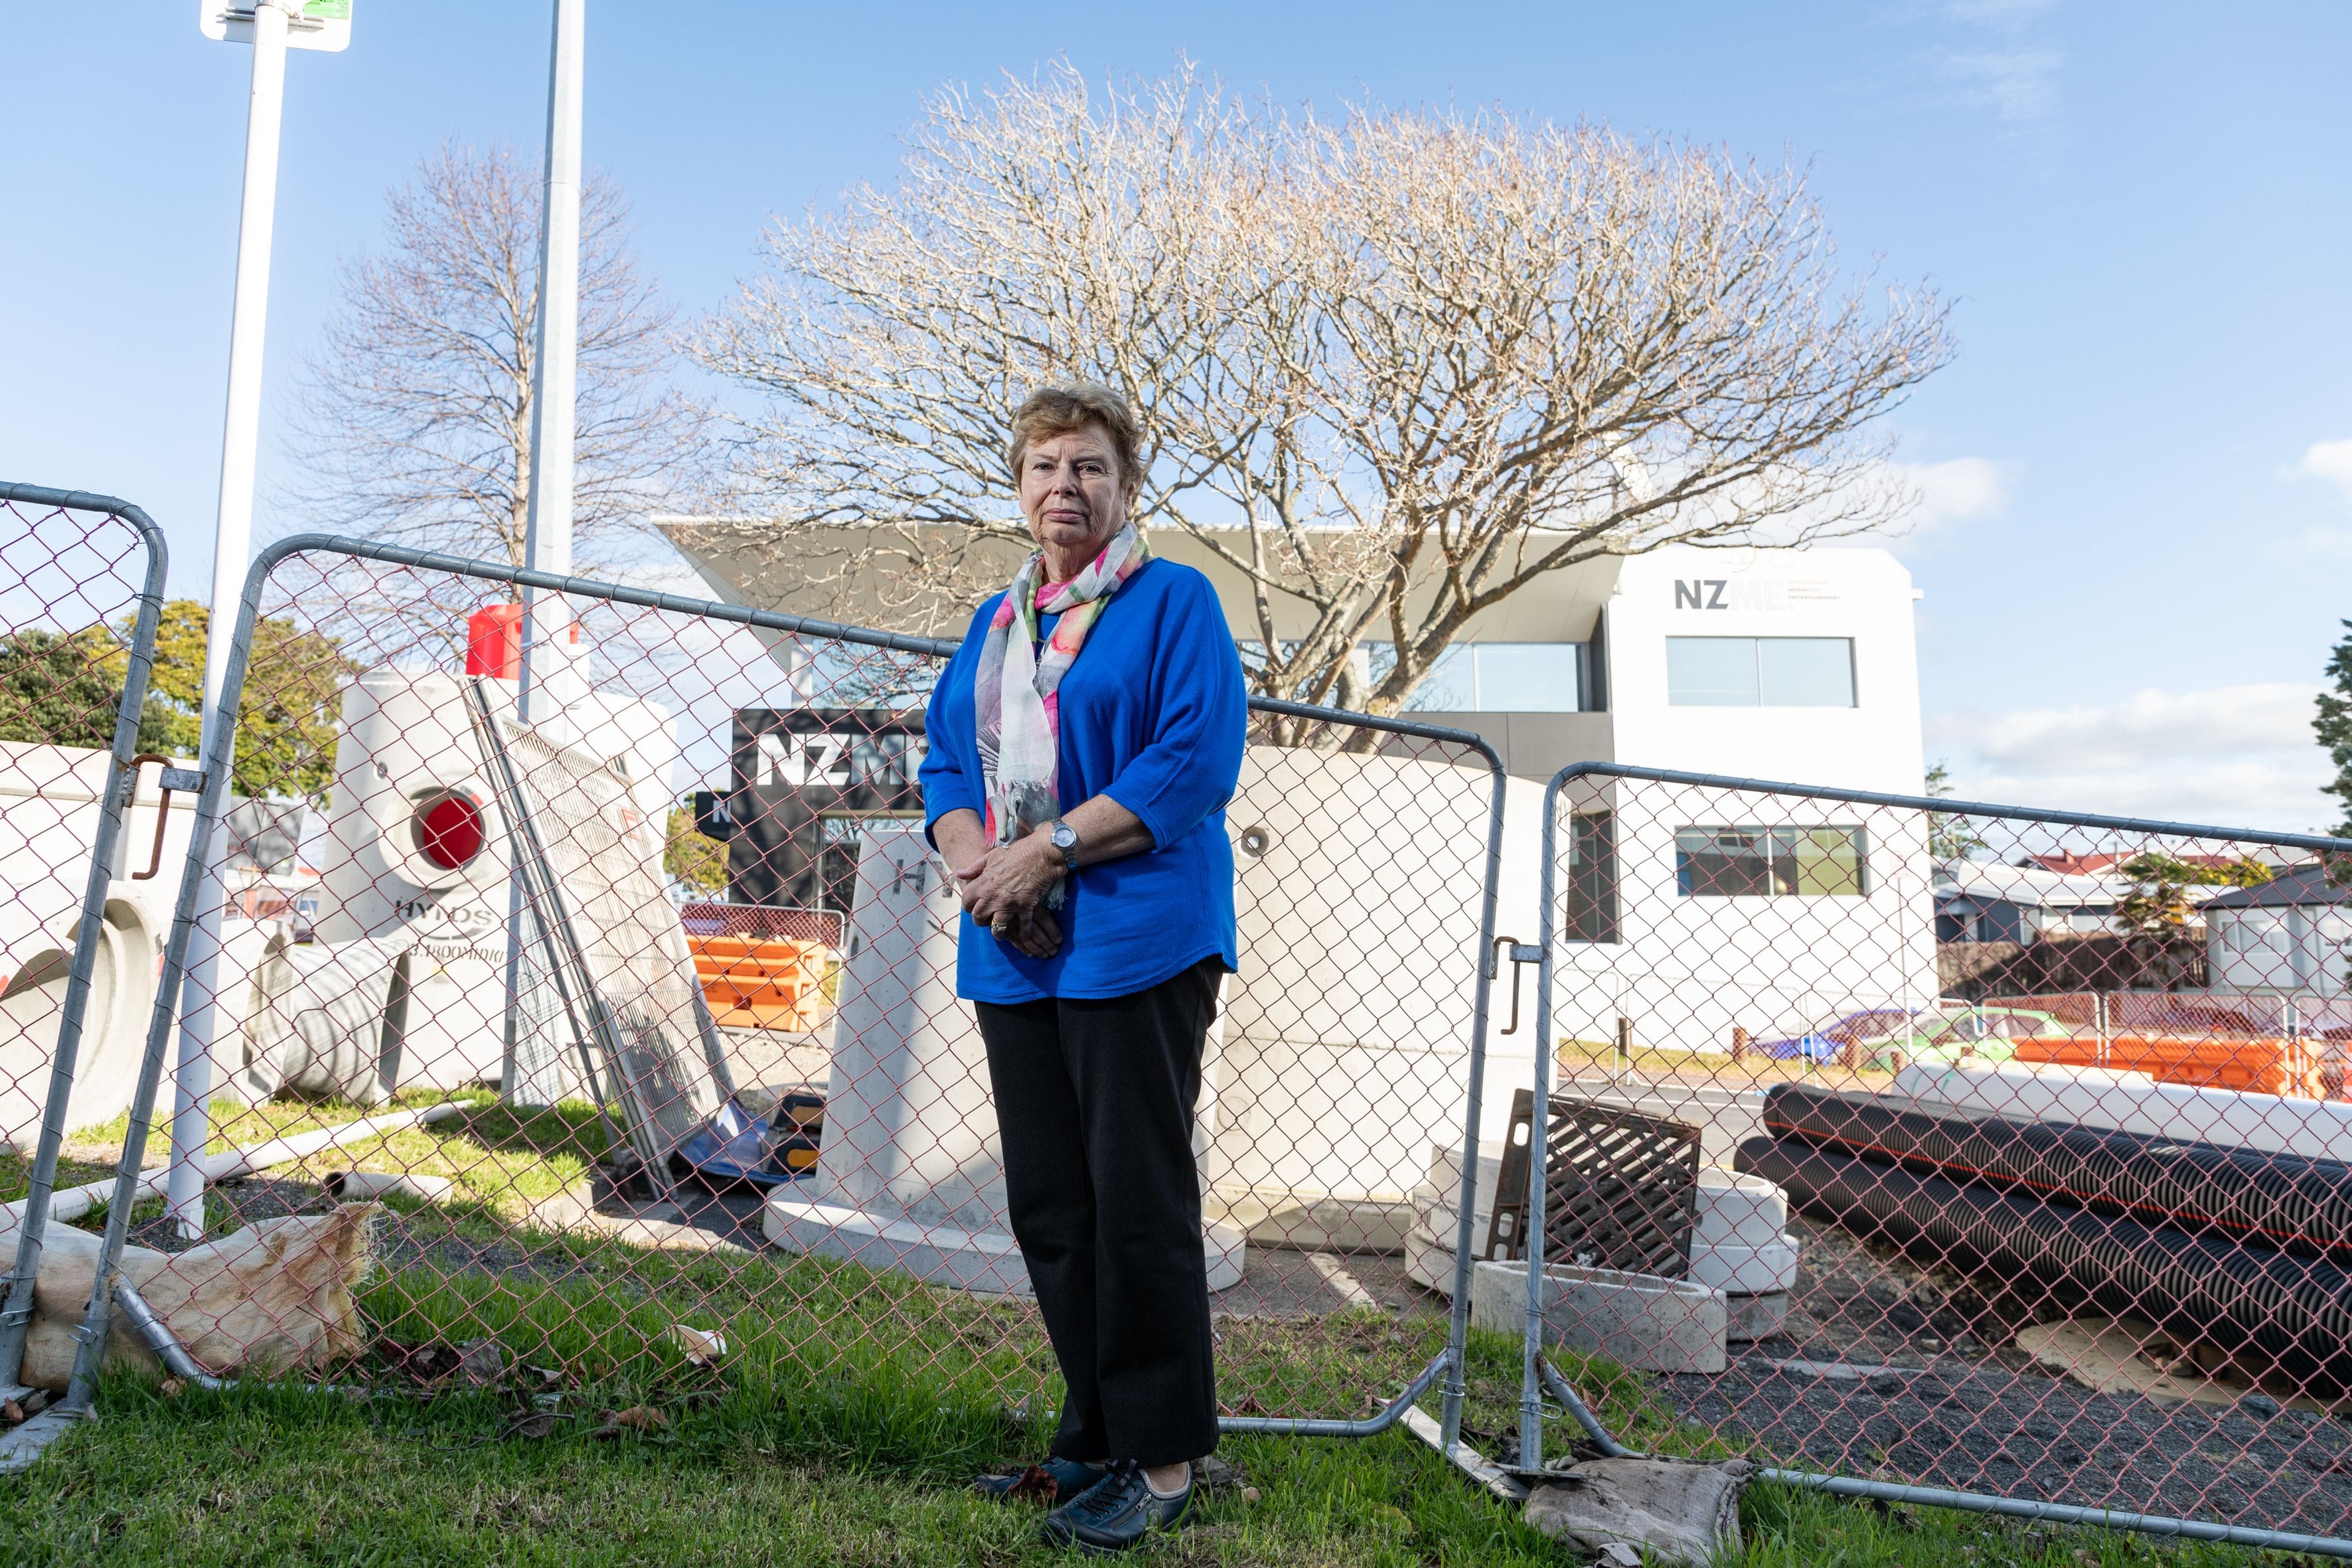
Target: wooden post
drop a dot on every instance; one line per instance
(1624, 1044)
(1738, 1044)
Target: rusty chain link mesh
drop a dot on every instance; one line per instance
(726, 1087)
(2028, 1145)
(70, 586)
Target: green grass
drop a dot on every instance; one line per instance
(818, 1443)
(839, 1428)
(501, 1163)
(280, 1478)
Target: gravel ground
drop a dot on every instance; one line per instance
(1988, 1429)
(1959, 1406)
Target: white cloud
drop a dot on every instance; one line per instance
(2328, 460)
(1958, 489)
(2236, 755)
(2316, 542)
(2020, 84)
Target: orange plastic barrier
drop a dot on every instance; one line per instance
(753, 984)
(2256, 1066)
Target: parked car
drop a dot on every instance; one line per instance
(1944, 1031)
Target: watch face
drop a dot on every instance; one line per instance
(1065, 836)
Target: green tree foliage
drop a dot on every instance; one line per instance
(1950, 837)
(693, 858)
(291, 710)
(2159, 900)
(2334, 727)
(56, 689)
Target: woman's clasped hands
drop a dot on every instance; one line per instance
(1004, 889)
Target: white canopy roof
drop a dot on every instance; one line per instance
(884, 575)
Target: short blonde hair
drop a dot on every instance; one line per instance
(1058, 410)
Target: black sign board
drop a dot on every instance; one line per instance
(797, 771)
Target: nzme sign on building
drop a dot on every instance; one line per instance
(805, 781)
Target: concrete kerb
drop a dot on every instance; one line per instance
(1451, 1363)
(1538, 1379)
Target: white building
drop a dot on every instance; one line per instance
(1984, 900)
(2293, 935)
(1774, 664)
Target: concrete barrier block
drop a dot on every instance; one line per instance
(1746, 1270)
(1738, 1209)
(1636, 1320)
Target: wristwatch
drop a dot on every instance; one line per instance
(1064, 838)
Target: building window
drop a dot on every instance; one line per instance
(1504, 678)
(1759, 672)
(1591, 911)
(1771, 862)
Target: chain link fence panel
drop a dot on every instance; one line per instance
(597, 1027)
(2027, 1151)
(84, 896)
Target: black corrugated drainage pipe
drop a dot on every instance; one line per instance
(2270, 1308)
(2293, 1202)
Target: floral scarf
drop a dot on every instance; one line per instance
(1015, 688)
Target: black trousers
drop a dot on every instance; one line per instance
(1094, 1101)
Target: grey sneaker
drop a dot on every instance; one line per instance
(1118, 1512)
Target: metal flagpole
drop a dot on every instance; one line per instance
(547, 629)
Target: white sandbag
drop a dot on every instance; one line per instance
(276, 1295)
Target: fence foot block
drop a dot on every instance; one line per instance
(1636, 1320)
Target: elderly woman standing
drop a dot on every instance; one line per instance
(1083, 742)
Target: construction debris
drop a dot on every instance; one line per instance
(703, 1347)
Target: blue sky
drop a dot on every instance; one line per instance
(2137, 541)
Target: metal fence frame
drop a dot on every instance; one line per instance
(1538, 1377)
(16, 1314)
(1450, 1365)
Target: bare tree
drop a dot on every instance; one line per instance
(415, 421)
(1392, 368)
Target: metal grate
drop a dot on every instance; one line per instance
(1621, 1193)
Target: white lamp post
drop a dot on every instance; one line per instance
(544, 681)
(272, 26)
